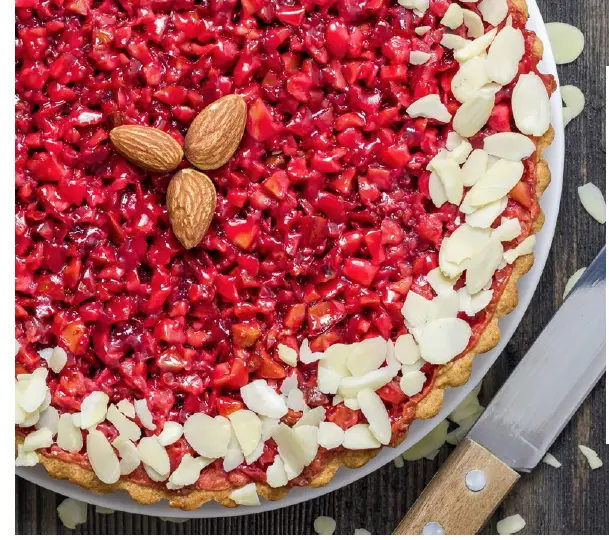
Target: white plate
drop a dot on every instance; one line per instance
(526, 287)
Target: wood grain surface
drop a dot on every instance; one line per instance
(570, 500)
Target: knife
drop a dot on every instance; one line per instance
(523, 420)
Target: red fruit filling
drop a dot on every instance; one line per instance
(323, 221)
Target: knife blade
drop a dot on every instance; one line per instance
(553, 378)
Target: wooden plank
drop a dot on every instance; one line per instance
(567, 500)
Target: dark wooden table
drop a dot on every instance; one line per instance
(570, 500)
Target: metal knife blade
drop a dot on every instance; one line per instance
(552, 379)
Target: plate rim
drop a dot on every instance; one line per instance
(527, 285)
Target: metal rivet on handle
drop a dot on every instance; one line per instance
(475, 480)
(433, 528)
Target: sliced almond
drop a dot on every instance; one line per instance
(415, 309)
(312, 417)
(451, 178)
(93, 409)
(188, 471)
(593, 460)
(429, 106)
(493, 11)
(531, 105)
(444, 339)
(327, 380)
(474, 24)
(208, 436)
(144, 414)
(307, 437)
(352, 403)
(248, 429)
(127, 408)
(509, 145)
(262, 399)
(511, 524)
(359, 437)
(469, 79)
(422, 30)
(72, 513)
(41, 438)
(453, 17)
(508, 230)
(406, 349)
(275, 473)
(374, 411)
(593, 201)
(27, 459)
(351, 386)
(324, 525)
(461, 153)
(472, 116)
(57, 360)
(462, 244)
(124, 426)
(290, 450)
(436, 190)
(172, 432)
(33, 390)
(572, 281)
(482, 266)
(550, 460)
(102, 458)
(445, 305)
(246, 495)
(154, 455)
(574, 100)
(439, 282)
(496, 183)
(524, 248)
(49, 418)
(475, 167)
(130, 455)
(330, 435)
(418, 58)
(255, 455)
(287, 355)
(69, 437)
(306, 356)
(504, 55)
(567, 42)
(432, 442)
(335, 358)
(472, 304)
(367, 355)
(476, 47)
(412, 383)
(453, 41)
(295, 400)
(234, 455)
(484, 216)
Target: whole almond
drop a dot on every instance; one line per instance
(216, 132)
(149, 148)
(191, 203)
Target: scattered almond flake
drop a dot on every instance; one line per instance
(472, 304)
(41, 438)
(103, 510)
(350, 386)
(17, 347)
(475, 167)
(593, 201)
(337, 400)
(45, 354)
(255, 455)
(129, 454)
(415, 309)
(406, 349)
(493, 11)
(359, 437)
(418, 58)
(155, 476)
(483, 217)
(307, 437)
(154, 455)
(550, 460)
(289, 383)
(504, 55)
(352, 403)
(327, 380)
(171, 433)
(509, 145)
(413, 367)
(468, 406)
(46, 402)
(324, 525)
(69, 437)
(26, 459)
(102, 458)
(593, 460)
(72, 513)
(461, 153)
(335, 358)
(125, 427)
(461, 245)
(398, 462)
(93, 409)
(312, 417)
(439, 282)
(209, 436)
(367, 355)
(144, 415)
(49, 418)
(275, 473)
(453, 41)
(188, 471)
(428, 444)
(444, 339)
(531, 105)
(572, 281)
(290, 450)
(476, 47)
(287, 355)
(248, 429)
(453, 18)
(524, 248)
(234, 456)
(57, 360)
(76, 420)
(422, 30)
(34, 391)
(268, 426)
(453, 140)
(482, 266)
(473, 23)
(374, 411)
(127, 408)
(246, 495)
(436, 190)
(496, 183)
(412, 383)
(306, 356)
(471, 117)
(295, 400)
(330, 435)
(260, 398)
(30, 419)
(450, 176)
(511, 524)
(567, 42)
(574, 100)
(362, 531)
(429, 106)
(508, 230)
(465, 425)
(443, 306)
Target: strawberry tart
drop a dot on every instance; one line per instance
(256, 239)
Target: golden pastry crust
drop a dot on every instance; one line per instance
(453, 374)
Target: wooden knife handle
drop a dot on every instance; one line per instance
(447, 499)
